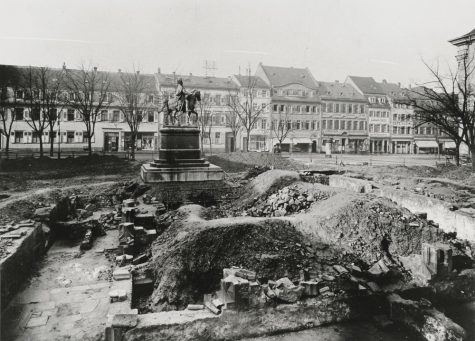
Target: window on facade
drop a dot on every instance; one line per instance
(403, 130)
(150, 98)
(371, 113)
(355, 125)
(150, 116)
(313, 126)
(371, 128)
(264, 124)
(18, 136)
(394, 130)
(35, 138)
(362, 125)
(350, 108)
(383, 128)
(115, 116)
(324, 124)
(104, 115)
(70, 114)
(275, 107)
(343, 108)
(35, 114)
(298, 125)
(19, 114)
(70, 137)
(314, 109)
(85, 137)
(362, 111)
(342, 125)
(307, 125)
(372, 100)
(307, 109)
(337, 107)
(217, 137)
(282, 108)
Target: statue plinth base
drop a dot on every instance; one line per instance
(180, 173)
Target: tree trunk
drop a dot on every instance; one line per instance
(7, 144)
(472, 155)
(132, 146)
(89, 144)
(41, 144)
(457, 154)
(51, 142)
(248, 140)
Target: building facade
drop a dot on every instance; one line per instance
(294, 102)
(111, 131)
(379, 120)
(343, 124)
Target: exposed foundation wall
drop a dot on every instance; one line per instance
(16, 267)
(437, 210)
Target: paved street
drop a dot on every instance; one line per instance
(68, 299)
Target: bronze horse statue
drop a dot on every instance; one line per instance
(172, 109)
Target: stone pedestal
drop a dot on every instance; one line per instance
(180, 172)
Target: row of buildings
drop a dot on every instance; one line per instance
(358, 115)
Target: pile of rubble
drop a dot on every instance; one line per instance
(286, 201)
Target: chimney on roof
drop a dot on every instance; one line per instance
(158, 71)
(399, 84)
(64, 65)
(138, 72)
(384, 81)
(95, 68)
(337, 81)
(191, 74)
(174, 75)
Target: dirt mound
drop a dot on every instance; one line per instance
(368, 227)
(188, 258)
(241, 162)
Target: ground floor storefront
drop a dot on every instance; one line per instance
(402, 146)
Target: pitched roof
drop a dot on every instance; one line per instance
(367, 85)
(460, 40)
(198, 82)
(253, 81)
(336, 90)
(280, 76)
(393, 90)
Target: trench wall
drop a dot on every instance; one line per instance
(16, 267)
(437, 210)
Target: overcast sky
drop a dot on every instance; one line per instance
(334, 38)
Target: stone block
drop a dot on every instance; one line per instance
(128, 203)
(340, 269)
(237, 289)
(145, 219)
(118, 295)
(310, 288)
(437, 258)
(124, 320)
(121, 274)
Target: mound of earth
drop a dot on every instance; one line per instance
(366, 226)
(189, 257)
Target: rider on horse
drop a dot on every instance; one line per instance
(181, 94)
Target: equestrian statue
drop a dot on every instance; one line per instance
(183, 101)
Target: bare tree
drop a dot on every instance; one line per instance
(205, 120)
(447, 102)
(10, 79)
(88, 89)
(233, 123)
(244, 105)
(135, 97)
(281, 127)
(38, 85)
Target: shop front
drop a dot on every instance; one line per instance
(144, 141)
(426, 147)
(402, 146)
